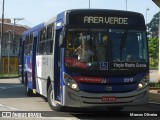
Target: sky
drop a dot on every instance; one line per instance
(38, 11)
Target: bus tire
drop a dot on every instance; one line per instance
(115, 108)
(28, 90)
(53, 105)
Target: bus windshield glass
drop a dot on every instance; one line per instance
(95, 49)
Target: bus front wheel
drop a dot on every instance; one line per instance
(54, 105)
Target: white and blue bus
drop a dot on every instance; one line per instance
(113, 71)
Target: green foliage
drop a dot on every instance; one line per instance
(153, 44)
(8, 75)
(154, 85)
(153, 26)
(153, 40)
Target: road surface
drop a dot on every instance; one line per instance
(13, 98)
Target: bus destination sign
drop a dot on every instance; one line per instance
(105, 20)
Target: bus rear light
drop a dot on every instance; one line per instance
(70, 82)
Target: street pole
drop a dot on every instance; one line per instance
(1, 40)
(13, 33)
(9, 42)
(126, 5)
(147, 9)
(14, 26)
(89, 4)
(159, 51)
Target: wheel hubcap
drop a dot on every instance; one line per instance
(52, 99)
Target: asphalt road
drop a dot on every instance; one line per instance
(13, 98)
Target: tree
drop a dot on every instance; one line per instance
(153, 51)
(153, 26)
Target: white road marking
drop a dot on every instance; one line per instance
(5, 107)
(9, 87)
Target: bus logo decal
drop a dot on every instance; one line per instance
(103, 65)
(104, 80)
(108, 88)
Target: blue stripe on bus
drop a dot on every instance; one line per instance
(60, 20)
(118, 84)
(61, 16)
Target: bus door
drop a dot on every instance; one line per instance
(35, 38)
(20, 60)
(57, 66)
(23, 61)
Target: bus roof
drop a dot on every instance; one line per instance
(33, 29)
(100, 11)
(61, 16)
(53, 19)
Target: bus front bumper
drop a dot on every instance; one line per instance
(72, 98)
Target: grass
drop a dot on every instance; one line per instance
(8, 75)
(153, 68)
(154, 85)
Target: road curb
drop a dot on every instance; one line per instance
(154, 103)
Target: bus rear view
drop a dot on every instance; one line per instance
(105, 59)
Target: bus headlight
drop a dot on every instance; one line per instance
(143, 83)
(70, 82)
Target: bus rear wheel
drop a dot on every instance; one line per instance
(28, 90)
(54, 105)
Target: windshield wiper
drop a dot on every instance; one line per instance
(123, 42)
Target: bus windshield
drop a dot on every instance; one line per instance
(93, 48)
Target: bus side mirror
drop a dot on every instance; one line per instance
(61, 40)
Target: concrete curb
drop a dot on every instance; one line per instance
(154, 103)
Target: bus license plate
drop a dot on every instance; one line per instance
(108, 98)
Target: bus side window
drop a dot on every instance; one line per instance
(27, 45)
(41, 42)
(49, 32)
(43, 34)
(41, 48)
(49, 46)
(30, 44)
(26, 50)
(49, 40)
